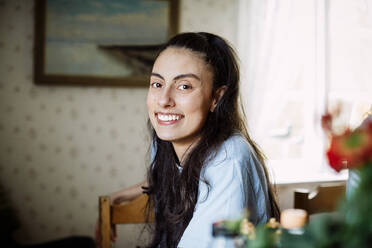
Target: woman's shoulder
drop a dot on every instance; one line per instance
(235, 148)
(237, 141)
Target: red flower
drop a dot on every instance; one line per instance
(327, 122)
(352, 149)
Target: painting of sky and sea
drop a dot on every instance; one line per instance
(107, 38)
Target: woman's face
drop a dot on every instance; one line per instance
(180, 95)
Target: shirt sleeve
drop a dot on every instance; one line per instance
(224, 199)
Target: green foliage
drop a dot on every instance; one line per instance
(358, 212)
(232, 226)
(265, 238)
(354, 140)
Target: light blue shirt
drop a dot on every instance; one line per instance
(237, 181)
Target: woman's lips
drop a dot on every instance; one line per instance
(168, 119)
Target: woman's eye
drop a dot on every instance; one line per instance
(155, 85)
(184, 87)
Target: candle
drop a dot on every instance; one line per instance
(293, 218)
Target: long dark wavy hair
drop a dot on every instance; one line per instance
(173, 194)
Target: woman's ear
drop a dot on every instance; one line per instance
(217, 96)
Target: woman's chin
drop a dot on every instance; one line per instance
(167, 137)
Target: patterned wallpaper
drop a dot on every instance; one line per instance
(62, 147)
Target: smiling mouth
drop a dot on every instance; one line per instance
(168, 118)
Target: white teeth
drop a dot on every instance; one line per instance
(168, 117)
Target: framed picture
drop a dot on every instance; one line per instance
(100, 42)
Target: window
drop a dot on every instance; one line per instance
(299, 58)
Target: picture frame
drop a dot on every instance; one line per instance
(100, 42)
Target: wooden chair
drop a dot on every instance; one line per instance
(324, 199)
(128, 213)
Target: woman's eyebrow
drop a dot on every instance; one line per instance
(157, 75)
(187, 75)
(177, 77)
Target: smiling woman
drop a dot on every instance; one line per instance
(204, 166)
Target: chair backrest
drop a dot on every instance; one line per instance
(129, 213)
(324, 199)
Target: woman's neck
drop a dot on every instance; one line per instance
(182, 149)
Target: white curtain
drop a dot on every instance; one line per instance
(350, 31)
(277, 49)
(296, 56)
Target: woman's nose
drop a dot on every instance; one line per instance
(166, 98)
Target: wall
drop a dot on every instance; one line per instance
(62, 147)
